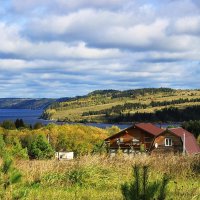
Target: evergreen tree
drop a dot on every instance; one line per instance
(8, 124)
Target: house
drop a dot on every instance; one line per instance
(149, 138)
(175, 140)
(133, 139)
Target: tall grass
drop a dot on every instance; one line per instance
(100, 177)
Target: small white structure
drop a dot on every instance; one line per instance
(64, 155)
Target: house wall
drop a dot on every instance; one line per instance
(177, 145)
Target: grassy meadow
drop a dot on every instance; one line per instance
(99, 177)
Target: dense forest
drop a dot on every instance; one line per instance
(170, 114)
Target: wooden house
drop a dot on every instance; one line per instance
(167, 142)
(136, 138)
(147, 137)
(176, 141)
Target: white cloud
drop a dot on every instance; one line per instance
(73, 47)
(62, 5)
(15, 44)
(188, 25)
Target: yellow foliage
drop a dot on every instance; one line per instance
(78, 138)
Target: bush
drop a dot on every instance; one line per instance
(17, 151)
(77, 176)
(38, 125)
(39, 148)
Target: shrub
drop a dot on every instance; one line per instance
(77, 176)
(18, 151)
(39, 148)
(38, 125)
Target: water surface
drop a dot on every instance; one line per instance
(32, 116)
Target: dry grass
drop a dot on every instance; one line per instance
(100, 177)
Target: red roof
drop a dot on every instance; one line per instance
(150, 128)
(190, 141)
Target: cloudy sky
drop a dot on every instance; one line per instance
(58, 48)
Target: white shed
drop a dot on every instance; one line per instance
(64, 155)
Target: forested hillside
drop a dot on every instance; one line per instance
(147, 104)
(25, 103)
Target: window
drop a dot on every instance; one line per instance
(121, 139)
(168, 142)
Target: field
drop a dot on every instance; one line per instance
(97, 177)
(83, 109)
(92, 175)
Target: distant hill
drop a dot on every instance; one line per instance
(25, 103)
(122, 106)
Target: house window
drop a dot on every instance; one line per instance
(168, 142)
(121, 139)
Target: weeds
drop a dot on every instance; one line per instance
(101, 177)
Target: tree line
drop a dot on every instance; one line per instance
(19, 124)
(171, 114)
(116, 109)
(193, 126)
(135, 106)
(173, 102)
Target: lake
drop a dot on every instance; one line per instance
(32, 116)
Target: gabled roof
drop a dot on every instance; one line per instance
(150, 128)
(147, 127)
(190, 141)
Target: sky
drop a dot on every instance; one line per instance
(65, 48)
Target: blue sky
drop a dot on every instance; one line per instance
(59, 48)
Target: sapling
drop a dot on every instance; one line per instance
(8, 177)
(141, 189)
